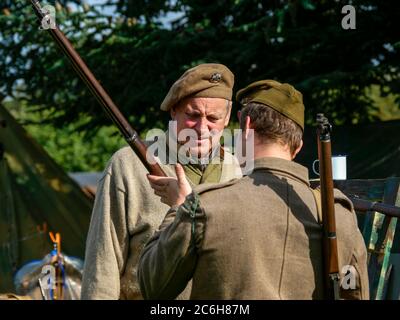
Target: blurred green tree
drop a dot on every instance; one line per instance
(137, 55)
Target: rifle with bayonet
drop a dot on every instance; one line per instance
(130, 135)
(330, 251)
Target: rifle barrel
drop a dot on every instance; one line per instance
(330, 248)
(365, 205)
(130, 135)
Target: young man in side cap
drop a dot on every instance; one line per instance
(257, 237)
(126, 211)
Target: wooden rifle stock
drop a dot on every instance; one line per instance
(330, 251)
(130, 135)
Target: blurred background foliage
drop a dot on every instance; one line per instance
(138, 48)
(73, 149)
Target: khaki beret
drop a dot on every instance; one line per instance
(281, 97)
(208, 80)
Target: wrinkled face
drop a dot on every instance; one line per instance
(205, 117)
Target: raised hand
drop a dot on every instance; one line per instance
(172, 191)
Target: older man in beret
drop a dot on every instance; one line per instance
(258, 237)
(126, 211)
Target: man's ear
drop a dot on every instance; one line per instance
(246, 127)
(297, 150)
(228, 115)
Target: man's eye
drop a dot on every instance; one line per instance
(213, 119)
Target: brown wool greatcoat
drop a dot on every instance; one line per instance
(251, 238)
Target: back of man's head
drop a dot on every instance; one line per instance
(276, 112)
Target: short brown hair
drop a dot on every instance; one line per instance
(271, 125)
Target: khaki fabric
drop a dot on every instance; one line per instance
(196, 175)
(281, 97)
(125, 214)
(207, 80)
(252, 238)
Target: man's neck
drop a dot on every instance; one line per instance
(271, 150)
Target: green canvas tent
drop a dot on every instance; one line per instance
(34, 193)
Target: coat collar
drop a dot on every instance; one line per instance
(282, 166)
(217, 151)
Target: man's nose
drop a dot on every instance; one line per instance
(202, 126)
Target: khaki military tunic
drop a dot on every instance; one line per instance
(252, 238)
(125, 214)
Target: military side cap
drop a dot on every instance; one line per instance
(208, 80)
(281, 97)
